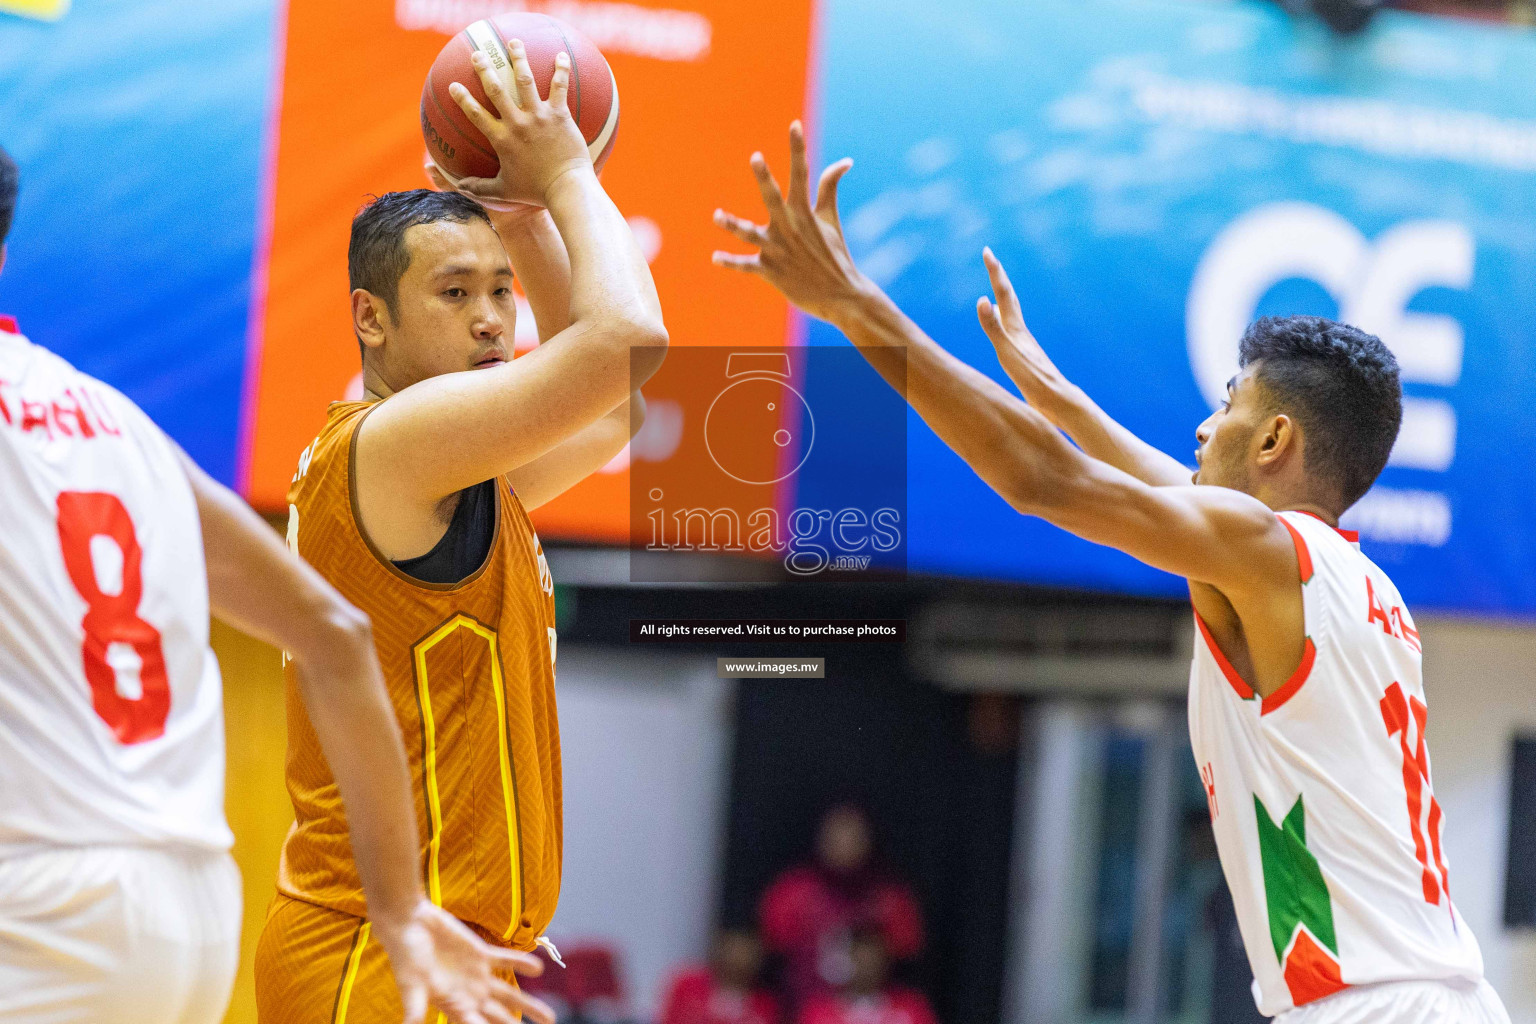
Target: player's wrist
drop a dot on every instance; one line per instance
(859, 303)
(392, 920)
(516, 219)
(569, 181)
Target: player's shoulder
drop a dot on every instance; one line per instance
(334, 442)
(1314, 536)
(18, 353)
(324, 468)
(58, 399)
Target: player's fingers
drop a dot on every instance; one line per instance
(752, 234)
(478, 187)
(496, 1015)
(799, 172)
(478, 115)
(526, 95)
(436, 178)
(520, 1002)
(1002, 287)
(748, 264)
(507, 1003)
(560, 83)
(491, 82)
(526, 964)
(826, 191)
(772, 197)
(414, 999)
(991, 325)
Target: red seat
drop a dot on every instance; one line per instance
(590, 980)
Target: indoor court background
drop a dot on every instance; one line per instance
(1153, 172)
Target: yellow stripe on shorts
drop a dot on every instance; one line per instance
(354, 959)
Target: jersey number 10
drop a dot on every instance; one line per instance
(114, 618)
(1405, 715)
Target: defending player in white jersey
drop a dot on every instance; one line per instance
(119, 903)
(1307, 708)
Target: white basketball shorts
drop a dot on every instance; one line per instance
(1405, 1002)
(118, 935)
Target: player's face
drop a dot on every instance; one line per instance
(1226, 438)
(455, 309)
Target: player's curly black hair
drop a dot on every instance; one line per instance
(10, 184)
(376, 256)
(1342, 387)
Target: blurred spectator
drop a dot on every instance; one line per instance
(725, 992)
(810, 912)
(869, 997)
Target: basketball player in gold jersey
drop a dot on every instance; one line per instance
(414, 502)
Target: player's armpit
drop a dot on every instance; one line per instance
(546, 478)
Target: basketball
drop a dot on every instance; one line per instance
(457, 147)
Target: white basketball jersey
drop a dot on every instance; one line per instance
(1327, 825)
(111, 707)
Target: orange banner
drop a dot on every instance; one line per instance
(703, 84)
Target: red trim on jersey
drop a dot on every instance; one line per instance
(1353, 536)
(1310, 971)
(8, 324)
(1303, 556)
(1286, 692)
(1243, 689)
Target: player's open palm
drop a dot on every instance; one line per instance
(1020, 354)
(801, 250)
(437, 960)
(536, 140)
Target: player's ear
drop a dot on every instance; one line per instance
(368, 315)
(1279, 439)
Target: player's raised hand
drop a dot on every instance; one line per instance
(501, 211)
(1020, 354)
(801, 250)
(437, 960)
(536, 140)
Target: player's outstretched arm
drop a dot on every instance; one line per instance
(450, 432)
(1063, 403)
(1209, 534)
(258, 586)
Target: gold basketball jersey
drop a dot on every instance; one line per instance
(470, 671)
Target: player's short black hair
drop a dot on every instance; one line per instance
(376, 256)
(1341, 385)
(10, 184)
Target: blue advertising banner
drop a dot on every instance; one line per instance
(1157, 173)
(138, 127)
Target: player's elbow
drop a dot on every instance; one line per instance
(344, 637)
(646, 338)
(1032, 489)
(635, 412)
(350, 627)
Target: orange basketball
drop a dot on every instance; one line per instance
(457, 146)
